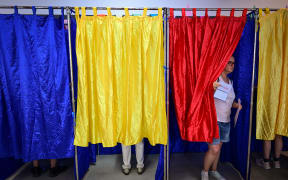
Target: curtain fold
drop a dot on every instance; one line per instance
(200, 47)
(121, 92)
(272, 96)
(35, 111)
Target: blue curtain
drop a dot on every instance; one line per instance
(236, 151)
(176, 144)
(83, 161)
(160, 167)
(35, 106)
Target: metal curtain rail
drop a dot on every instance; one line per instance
(272, 9)
(222, 9)
(30, 7)
(115, 8)
(59, 7)
(133, 8)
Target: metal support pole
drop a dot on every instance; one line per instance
(252, 96)
(166, 85)
(167, 89)
(72, 85)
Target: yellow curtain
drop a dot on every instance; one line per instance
(272, 96)
(121, 87)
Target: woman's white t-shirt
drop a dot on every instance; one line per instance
(223, 108)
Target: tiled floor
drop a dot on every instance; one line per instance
(182, 166)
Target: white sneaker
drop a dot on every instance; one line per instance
(204, 175)
(261, 163)
(216, 175)
(140, 170)
(277, 164)
(126, 171)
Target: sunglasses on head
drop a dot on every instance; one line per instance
(231, 63)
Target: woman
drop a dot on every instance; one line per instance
(223, 109)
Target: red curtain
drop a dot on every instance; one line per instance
(200, 48)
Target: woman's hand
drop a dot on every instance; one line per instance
(216, 85)
(237, 105)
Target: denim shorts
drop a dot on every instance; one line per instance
(224, 133)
